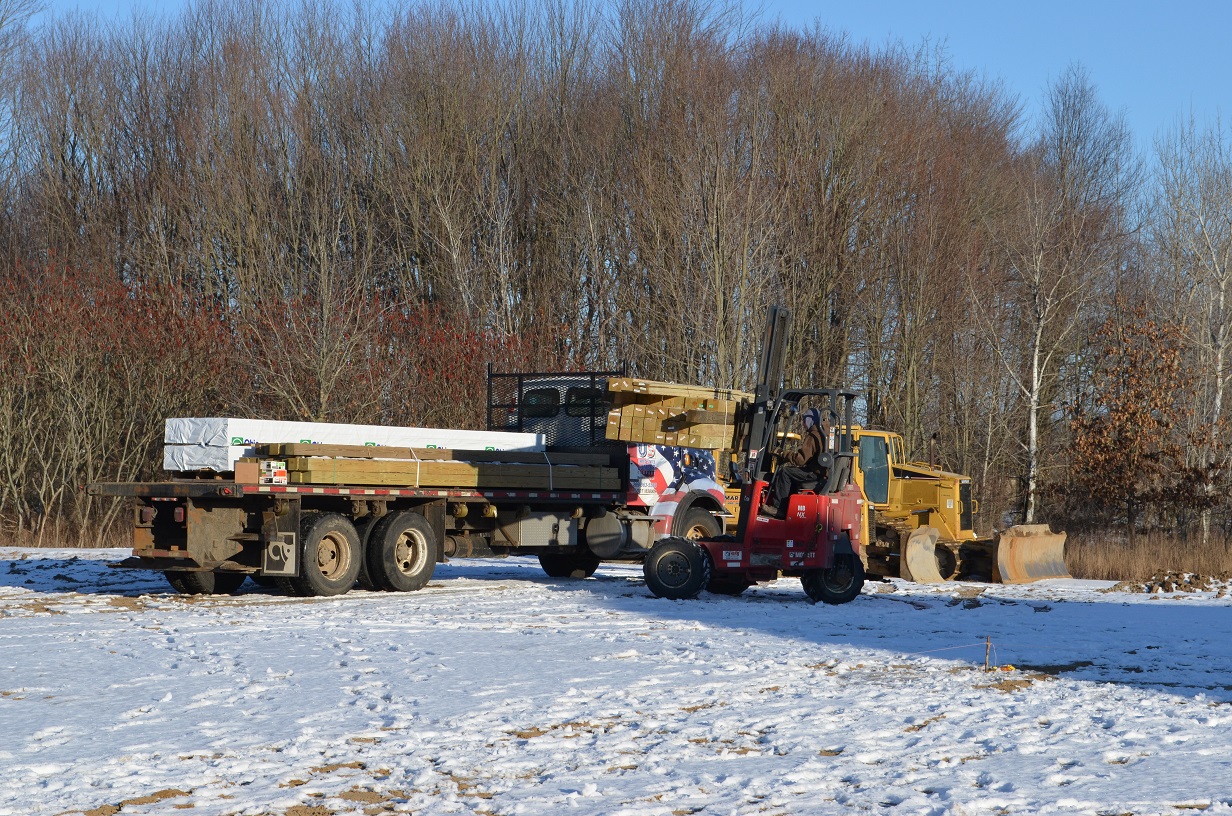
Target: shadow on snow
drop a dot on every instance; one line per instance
(1179, 646)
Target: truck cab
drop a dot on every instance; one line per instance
(568, 409)
(671, 490)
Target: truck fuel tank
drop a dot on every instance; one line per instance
(610, 534)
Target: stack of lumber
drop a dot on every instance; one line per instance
(217, 443)
(660, 413)
(389, 466)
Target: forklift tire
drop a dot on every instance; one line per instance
(329, 556)
(402, 552)
(205, 583)
(581, 564)
(677, 568)
(727, 586)
(837, 585)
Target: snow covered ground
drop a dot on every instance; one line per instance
(498, 690)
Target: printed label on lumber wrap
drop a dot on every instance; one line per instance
(661, 476)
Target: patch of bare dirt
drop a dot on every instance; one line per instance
(571, 729)
(368, 797)
(467, 787)
(920, 726)
(1012, 684)
(309, 810)
(39, 608)
(152, 799)
(338, 766)
(155, 798)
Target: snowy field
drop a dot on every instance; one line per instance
(498, 690)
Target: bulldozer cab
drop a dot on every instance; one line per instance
(875, 452)
(912, 494)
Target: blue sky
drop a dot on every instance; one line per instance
(1156, 61)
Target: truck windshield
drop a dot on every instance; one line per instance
(875, 464)
(540, 403)
(586, 402)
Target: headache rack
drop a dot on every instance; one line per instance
(568, 408)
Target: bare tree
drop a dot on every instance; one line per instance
(1192, 238)
(1073, 191)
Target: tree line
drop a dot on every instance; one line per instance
(324, 212)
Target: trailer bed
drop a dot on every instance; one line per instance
(230, 489)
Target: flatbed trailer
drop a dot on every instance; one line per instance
(222, 528)
(211, 532)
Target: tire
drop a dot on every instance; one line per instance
(581, 564)
(363, 529)
(727, 586)
(698, 523)
(329, 556)
(176, 579)
(837, 585)
(947, 562)
(205, 583)
(677, 568)
(402, 552)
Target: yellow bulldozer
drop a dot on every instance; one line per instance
(920, 523)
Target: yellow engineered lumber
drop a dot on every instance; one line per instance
(715, 417)
(668, 390)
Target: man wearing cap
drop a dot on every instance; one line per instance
(801, 465)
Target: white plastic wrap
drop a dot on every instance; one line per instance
(216, 443)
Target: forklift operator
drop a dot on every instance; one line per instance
(801, 466)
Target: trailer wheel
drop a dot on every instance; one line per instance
(581, 564)
(402, 552)
(205, 583)
(836, 585)
(328, 556)
(364, 528)
(699, 523)
(677, 568)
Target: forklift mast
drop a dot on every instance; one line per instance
(766, 393)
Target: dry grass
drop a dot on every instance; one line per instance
(1112, 557)
(118, 536)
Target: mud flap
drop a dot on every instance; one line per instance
(919, 557)
(1029, 552)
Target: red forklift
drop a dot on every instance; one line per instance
(816, 534)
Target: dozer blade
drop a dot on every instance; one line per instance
(919, 557)
(1029, 552)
